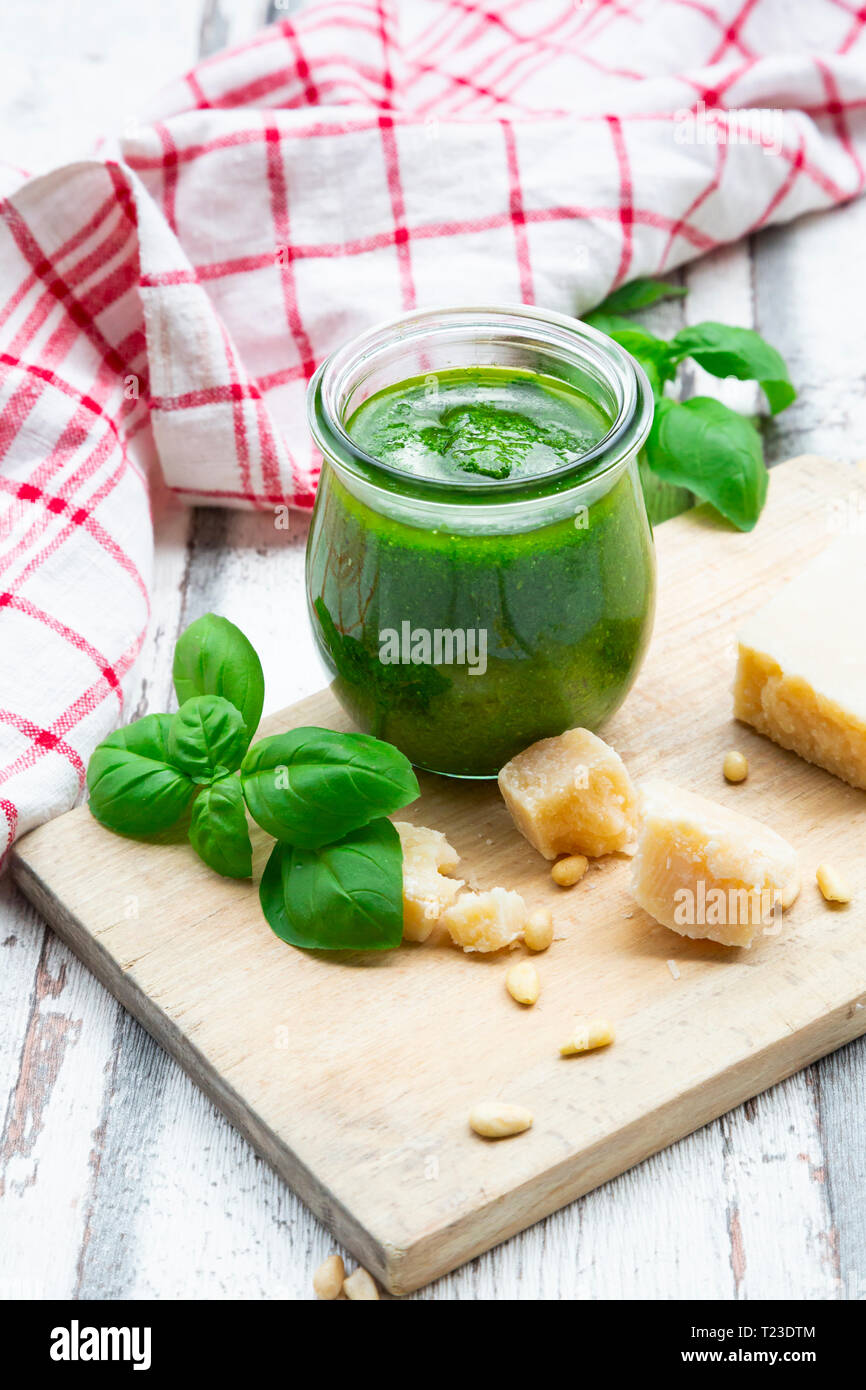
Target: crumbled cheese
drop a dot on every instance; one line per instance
(571, 795)
(706, 871)
(487, 921)
(427, 858)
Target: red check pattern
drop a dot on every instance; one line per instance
(164, 303)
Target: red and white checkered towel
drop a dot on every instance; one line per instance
(163, 304)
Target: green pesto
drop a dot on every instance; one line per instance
(566, 608)
(478, 423)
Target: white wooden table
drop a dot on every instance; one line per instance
(117, 1178)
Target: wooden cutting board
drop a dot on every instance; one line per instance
(353, 1076)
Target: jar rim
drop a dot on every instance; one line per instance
(543, 327)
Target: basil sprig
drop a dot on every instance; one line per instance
(699, 447)
(334, 880)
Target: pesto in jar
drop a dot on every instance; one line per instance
(461, 647)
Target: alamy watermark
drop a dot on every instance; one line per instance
(713, 125)
(728, 907)
(85, 1343)
(438, 646)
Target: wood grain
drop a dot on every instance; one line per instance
(126, 1181)
(354, 1077)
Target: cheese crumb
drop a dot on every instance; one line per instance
(427, 858)
(706, 871)
(571, 795)
(486, 921)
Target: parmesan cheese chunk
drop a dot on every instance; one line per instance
(486, 921)
(801, 671)
(571, 795)
(706, 871)
(427, 858)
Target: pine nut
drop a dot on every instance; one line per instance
(586, 1035)
(360, 1287)
(328, 1278)
(570, 870)
(832, 884)
(493, 1119)
(538, 932)
(736, 766)
(521, 981)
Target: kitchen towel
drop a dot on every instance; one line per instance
(164, 301)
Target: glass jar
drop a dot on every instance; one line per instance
(463, 620)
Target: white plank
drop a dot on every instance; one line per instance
(53, 1112)
(69, 73)
(262, 1242)
(226, 23)
(176, 1171)
(775, 1236)
(73, 72)
(778, 1212)
(811, 302)
(840, 1093)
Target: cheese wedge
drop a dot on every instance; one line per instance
(427, 858)
(801, 669)
(486, 921)
(571, 795)
(706, 871)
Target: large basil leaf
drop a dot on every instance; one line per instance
(213, 657)
(725, 350)
(639, 294)
(207, 738)
(716, 453)
(218, 829)
(311, 786)
(345, 896)
(133, 789)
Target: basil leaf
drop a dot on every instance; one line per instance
(639, 294)
(213, 657)
(218, 829)
(311, 786)
(207, 738)
(653, 353)
(716, 453)
(663, 500)
(725, 350)
(133, 789)
(345, 896)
